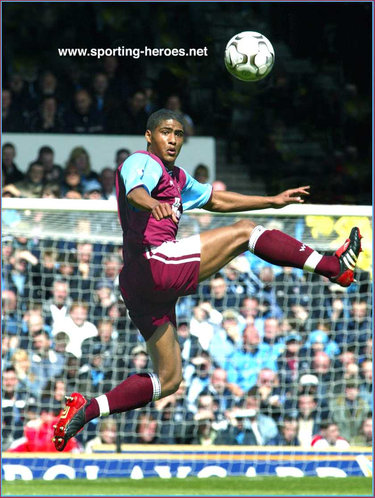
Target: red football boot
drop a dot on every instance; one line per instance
(71, 421)
(348, 254)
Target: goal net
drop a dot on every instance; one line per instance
(277, 364)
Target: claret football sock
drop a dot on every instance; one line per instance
(134, 392)
(280, 249)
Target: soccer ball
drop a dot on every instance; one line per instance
(249, 56)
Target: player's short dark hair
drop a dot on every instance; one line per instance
(157, 117)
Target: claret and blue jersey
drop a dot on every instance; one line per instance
(176, 187)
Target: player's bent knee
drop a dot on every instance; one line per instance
(244, 227)
(171, 385)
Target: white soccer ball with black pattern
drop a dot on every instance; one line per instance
(249, 56)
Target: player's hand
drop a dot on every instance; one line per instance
(290, 196)
(163, 210)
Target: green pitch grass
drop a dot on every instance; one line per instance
(191, 486)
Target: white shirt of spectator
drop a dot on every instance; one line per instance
(323, 444)
(76, 334)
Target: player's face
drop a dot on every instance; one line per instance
(166, 141)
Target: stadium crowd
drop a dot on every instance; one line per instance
(271, 356)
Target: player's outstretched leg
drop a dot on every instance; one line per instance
(221, 245)
(279, 248)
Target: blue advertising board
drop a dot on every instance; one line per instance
(139, 462)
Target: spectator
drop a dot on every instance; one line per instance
(173, 103)
(248, 426)
(11, 120)
(38, 435)
(48, 85)
(204, 322)
(80, 158)
(72, 180)
(47, 118)
(106, 340)
(121, 155)
(51, 191)
(223, 400)
(83, 117)
(251, 312)
(82, 282)
(349, 411)
(10, 172)
(271, 403)
(32, 184)
(266, 292)
(71, 371)
(189, 344)
(148, 430)
(45, 363)
(11, 322)
(318, 340)
(365, 387)
(205, 433)
(220, 296)
(26, 378)
(18, 280)
(118, 85)
(321, 366)
(138, 360)
(52, 172)
(21, 98)
(93, 378)
(102, 100)
(53, 395)
(107, 435)
(77, 327)
(197, 376)
(227, 338)
(365, 434)
(110, 268)
(308, 419)
(104, 298)
(272, 337)
(360, 325)
(12, 406)
(107, 182)
(291, 363)
(177, 420)
(290, 289)
(9, 344)
(201, 173)
(60, 344)
(235, 274)
(243, 365)
(329, 437)
(92, 189)
(287, 435)
(131, 120)
(55, 309)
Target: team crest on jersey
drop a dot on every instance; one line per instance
(176, 207)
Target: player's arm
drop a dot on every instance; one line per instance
(140, 175)
(231, 202)
(141, 199)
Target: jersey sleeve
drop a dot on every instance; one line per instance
(195, 194)
(140, 170)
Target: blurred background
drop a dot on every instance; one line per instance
(308, 122)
